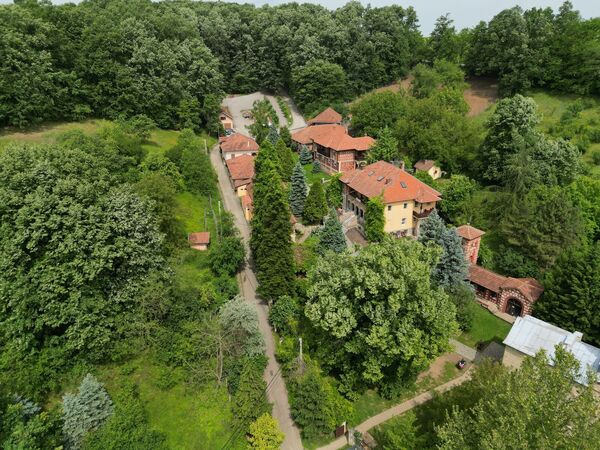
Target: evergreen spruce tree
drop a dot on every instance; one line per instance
(284, 133)
(331, 235)
(316, 168)
(249, 402)
(452, 268)
(299, 191)
(273, 135)
(572, 290)
(271, 241)
(305, 156)
(86, 411)
(286, 160)
(315, 206)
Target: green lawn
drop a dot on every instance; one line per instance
(310, 176)
(486, 327)
(191, 418)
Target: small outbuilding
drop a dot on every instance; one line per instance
(529, 335)
(200, 240)
(429, 166)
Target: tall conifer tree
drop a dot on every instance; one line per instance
(299, 191)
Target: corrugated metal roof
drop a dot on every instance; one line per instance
(530, 335)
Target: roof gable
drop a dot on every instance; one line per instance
(238, 143)
(241, 167)
(390, 182)
(329, 115)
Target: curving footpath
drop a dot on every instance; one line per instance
(276, 393)
(397, 410)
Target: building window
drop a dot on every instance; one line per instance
(389, 207)
(403, 220)
(405, 205)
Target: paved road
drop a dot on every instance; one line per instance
(464, 350)
(277, 393)
(398, 410)
(238, 104)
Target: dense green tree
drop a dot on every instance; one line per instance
(298, 191)
(240, 320)
(572, 287)
(427, 80)
(75, 253)
(160, 164)
(532, 224)
(271, 234)
(457, 195)
(318, 84)
(315, 206)
(23, 424)
(375, 220)
(284, 133)
(265, 434)
(536, 406)
(316, 166)
(463, 297)
(452, 268)
(128, 427)
(585, 195)
(283, 315)
(227, 256)
(85, 411)
(317, 407)
(273, 135)
(443, 41)
(385, 149)
(374, 112)
(249, 401)
(286, 160)
(334, 190)
(376, 329)
(511, 124)
(196, 168)
(331, 235)
(264, 122)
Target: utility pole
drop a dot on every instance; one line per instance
(301, 358)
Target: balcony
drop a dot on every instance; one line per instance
(422, 214)
(327, 162)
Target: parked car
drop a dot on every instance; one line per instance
(229, 132)
(247, 115)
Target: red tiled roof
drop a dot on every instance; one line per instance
(202, 237)
(330, 115)
(424, 164)
(335, 137)
(468, 232)
(529, 287)
(247, 201)
(241, 167)
(395, 184)
(486, 278)
(238, 143)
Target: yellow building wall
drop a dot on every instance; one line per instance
(435, 172)
(394, 213)
(242, 190)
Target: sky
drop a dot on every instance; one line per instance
(465, 13)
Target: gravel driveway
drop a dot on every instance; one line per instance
(240, 103)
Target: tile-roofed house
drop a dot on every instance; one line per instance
(328, 116)
(237, 145)
(199, 240)
(429, 166)
(241, 173)
(407, 200)
(468, 232)
(514, 296)
(471, 240)
(529, 335)
(333, 147)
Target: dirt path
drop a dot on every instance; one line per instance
(277, 393)
(398, 410)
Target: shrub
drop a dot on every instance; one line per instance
(283, 315)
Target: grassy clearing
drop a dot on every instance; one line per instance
(486, 328)
(191, 418)
(311, 177)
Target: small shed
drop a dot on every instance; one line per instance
(200, 240)
(429, 166)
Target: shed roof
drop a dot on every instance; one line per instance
(424, 164)
(530, 335)
(529, 287)
(389, 181)
(199, 238)
(329, 115)
(468, 232)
